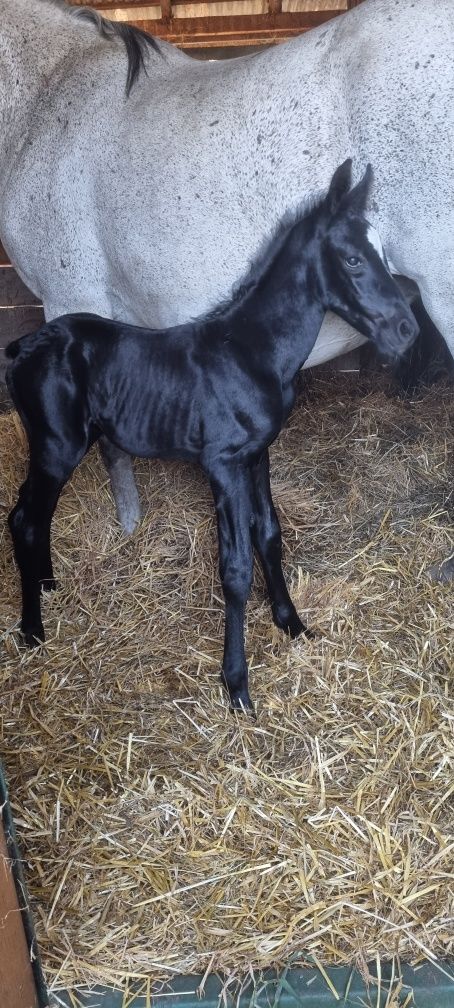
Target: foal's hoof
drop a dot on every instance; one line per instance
(33, 636)
(239, 698)
(296, 627)
(443, 573)
(291, 624)
(242, 702)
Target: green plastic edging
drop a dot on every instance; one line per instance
(427, 987)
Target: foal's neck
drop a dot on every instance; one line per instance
(281, 315)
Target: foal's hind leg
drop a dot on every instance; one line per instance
(16, 520)
(267, 539)
(29, 523)
(126, 497)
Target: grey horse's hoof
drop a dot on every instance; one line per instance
(442, 573)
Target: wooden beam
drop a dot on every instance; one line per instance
(235, 29)
(113, 4)
(108, 5)
(232, 29)
(17, 985)
(166, 10)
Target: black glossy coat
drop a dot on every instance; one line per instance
(215, 391)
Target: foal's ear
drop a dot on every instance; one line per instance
(357, 198)
(339, 186)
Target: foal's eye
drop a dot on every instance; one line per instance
(353, 262)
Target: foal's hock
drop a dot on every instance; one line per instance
(217, 391)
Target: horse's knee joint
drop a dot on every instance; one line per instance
(268, 533)
(23, 529)
(273, 540)
(17, 523)
(236, 585)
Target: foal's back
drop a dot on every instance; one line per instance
(182, 392)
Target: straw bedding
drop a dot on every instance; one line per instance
(164, 834)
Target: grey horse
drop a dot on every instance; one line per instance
(113, 198)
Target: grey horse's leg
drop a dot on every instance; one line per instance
(124, 490)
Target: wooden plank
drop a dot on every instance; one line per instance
(104, 6)
(113, 4)
(312, 17)
(15, 322)
(14, 293)
(166, 10)
(17, 986)
(234, 29)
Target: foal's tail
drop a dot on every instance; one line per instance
(13, 349)
(18, 346)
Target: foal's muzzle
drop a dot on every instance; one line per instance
(395, 336)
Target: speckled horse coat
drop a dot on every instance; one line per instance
(147, 208)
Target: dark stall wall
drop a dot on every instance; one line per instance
(20, 313)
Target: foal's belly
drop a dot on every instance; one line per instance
(166, 431)
(154, 426)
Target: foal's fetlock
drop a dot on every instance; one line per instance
(33, 635)
(238, 694)
(287, 619)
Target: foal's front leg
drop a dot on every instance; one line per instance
(231, 487)
(267, 540)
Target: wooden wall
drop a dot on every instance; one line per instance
(195, 23)
(20, 311)
(17, 988)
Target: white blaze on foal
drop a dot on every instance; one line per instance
(374, 239)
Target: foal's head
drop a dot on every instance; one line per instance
(352, 269)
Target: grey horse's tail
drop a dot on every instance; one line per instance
(138, 43)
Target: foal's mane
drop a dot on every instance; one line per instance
(137, 43)
(267, 251)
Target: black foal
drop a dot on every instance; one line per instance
(216, 391)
